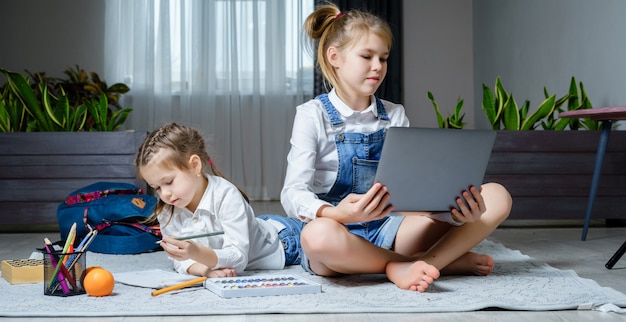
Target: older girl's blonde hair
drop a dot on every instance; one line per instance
(328, 26)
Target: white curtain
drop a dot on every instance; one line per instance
(234, 69)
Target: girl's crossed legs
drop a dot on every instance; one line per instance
(423, 248)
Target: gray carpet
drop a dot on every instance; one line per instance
(517, 283)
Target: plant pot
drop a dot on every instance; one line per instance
(38, 170)
(548, 173)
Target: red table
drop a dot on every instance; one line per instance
(607, 115)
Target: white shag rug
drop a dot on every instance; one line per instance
(517, 283)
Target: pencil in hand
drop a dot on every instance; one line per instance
(196, 236)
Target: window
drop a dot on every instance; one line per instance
(240, 32)
(235, 69)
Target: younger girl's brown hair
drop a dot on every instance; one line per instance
(180, 143)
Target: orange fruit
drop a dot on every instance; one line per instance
(98, 281)
(89, 269)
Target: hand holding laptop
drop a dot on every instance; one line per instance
(372, 205)
(470, 206)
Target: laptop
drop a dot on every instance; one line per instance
(425, 169)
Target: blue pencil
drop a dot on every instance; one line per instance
(83, 247)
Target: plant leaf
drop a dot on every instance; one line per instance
(118, 118)
(14, 111)
(47, 103)
(546, 108)
(572, 101)
(524, 110)
(23, 91)
(489, 106)
(501, 98)
(5, 119)
(511, 115)
(561, 124)
(440, 119)
(91, 88)
(118, 88)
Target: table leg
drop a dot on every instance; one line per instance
(604, 138)
(618, 254)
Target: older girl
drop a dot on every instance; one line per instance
(335, 147)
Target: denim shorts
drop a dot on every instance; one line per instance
(289, 237)
(381, 233)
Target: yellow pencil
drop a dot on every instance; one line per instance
(69, 243)
(179, 286)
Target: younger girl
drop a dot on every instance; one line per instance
(335, 146)
(195, 198)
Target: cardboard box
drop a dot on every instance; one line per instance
(23, 271)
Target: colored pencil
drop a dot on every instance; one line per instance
(197, 236)
(179, 286)
(83, 247)
(60, 275)
(70, 238)
(69, 242)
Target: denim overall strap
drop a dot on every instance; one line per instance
(331, 111)
(358, 156)
(333, 115)
(380, 108)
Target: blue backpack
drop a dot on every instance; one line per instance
(117, 211)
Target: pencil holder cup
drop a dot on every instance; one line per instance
(63, 272)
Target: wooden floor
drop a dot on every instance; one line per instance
(555, 243)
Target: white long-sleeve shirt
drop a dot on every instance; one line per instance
(312, 161)
(247, 243)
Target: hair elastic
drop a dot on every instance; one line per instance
(339, 15)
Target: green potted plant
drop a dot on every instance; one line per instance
(453, 121)
(57, 135)
(545, 161)
(504, 113)
(43, 104)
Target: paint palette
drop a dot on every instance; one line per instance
(261, 285)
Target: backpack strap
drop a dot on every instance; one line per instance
(137, 238)
(153, 230)
(94, 195)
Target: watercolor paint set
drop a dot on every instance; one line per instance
(261, 285)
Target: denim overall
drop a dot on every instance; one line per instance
(358, 155)
(289, 237)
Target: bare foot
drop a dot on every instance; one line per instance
(414, 276)
(470, 264)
